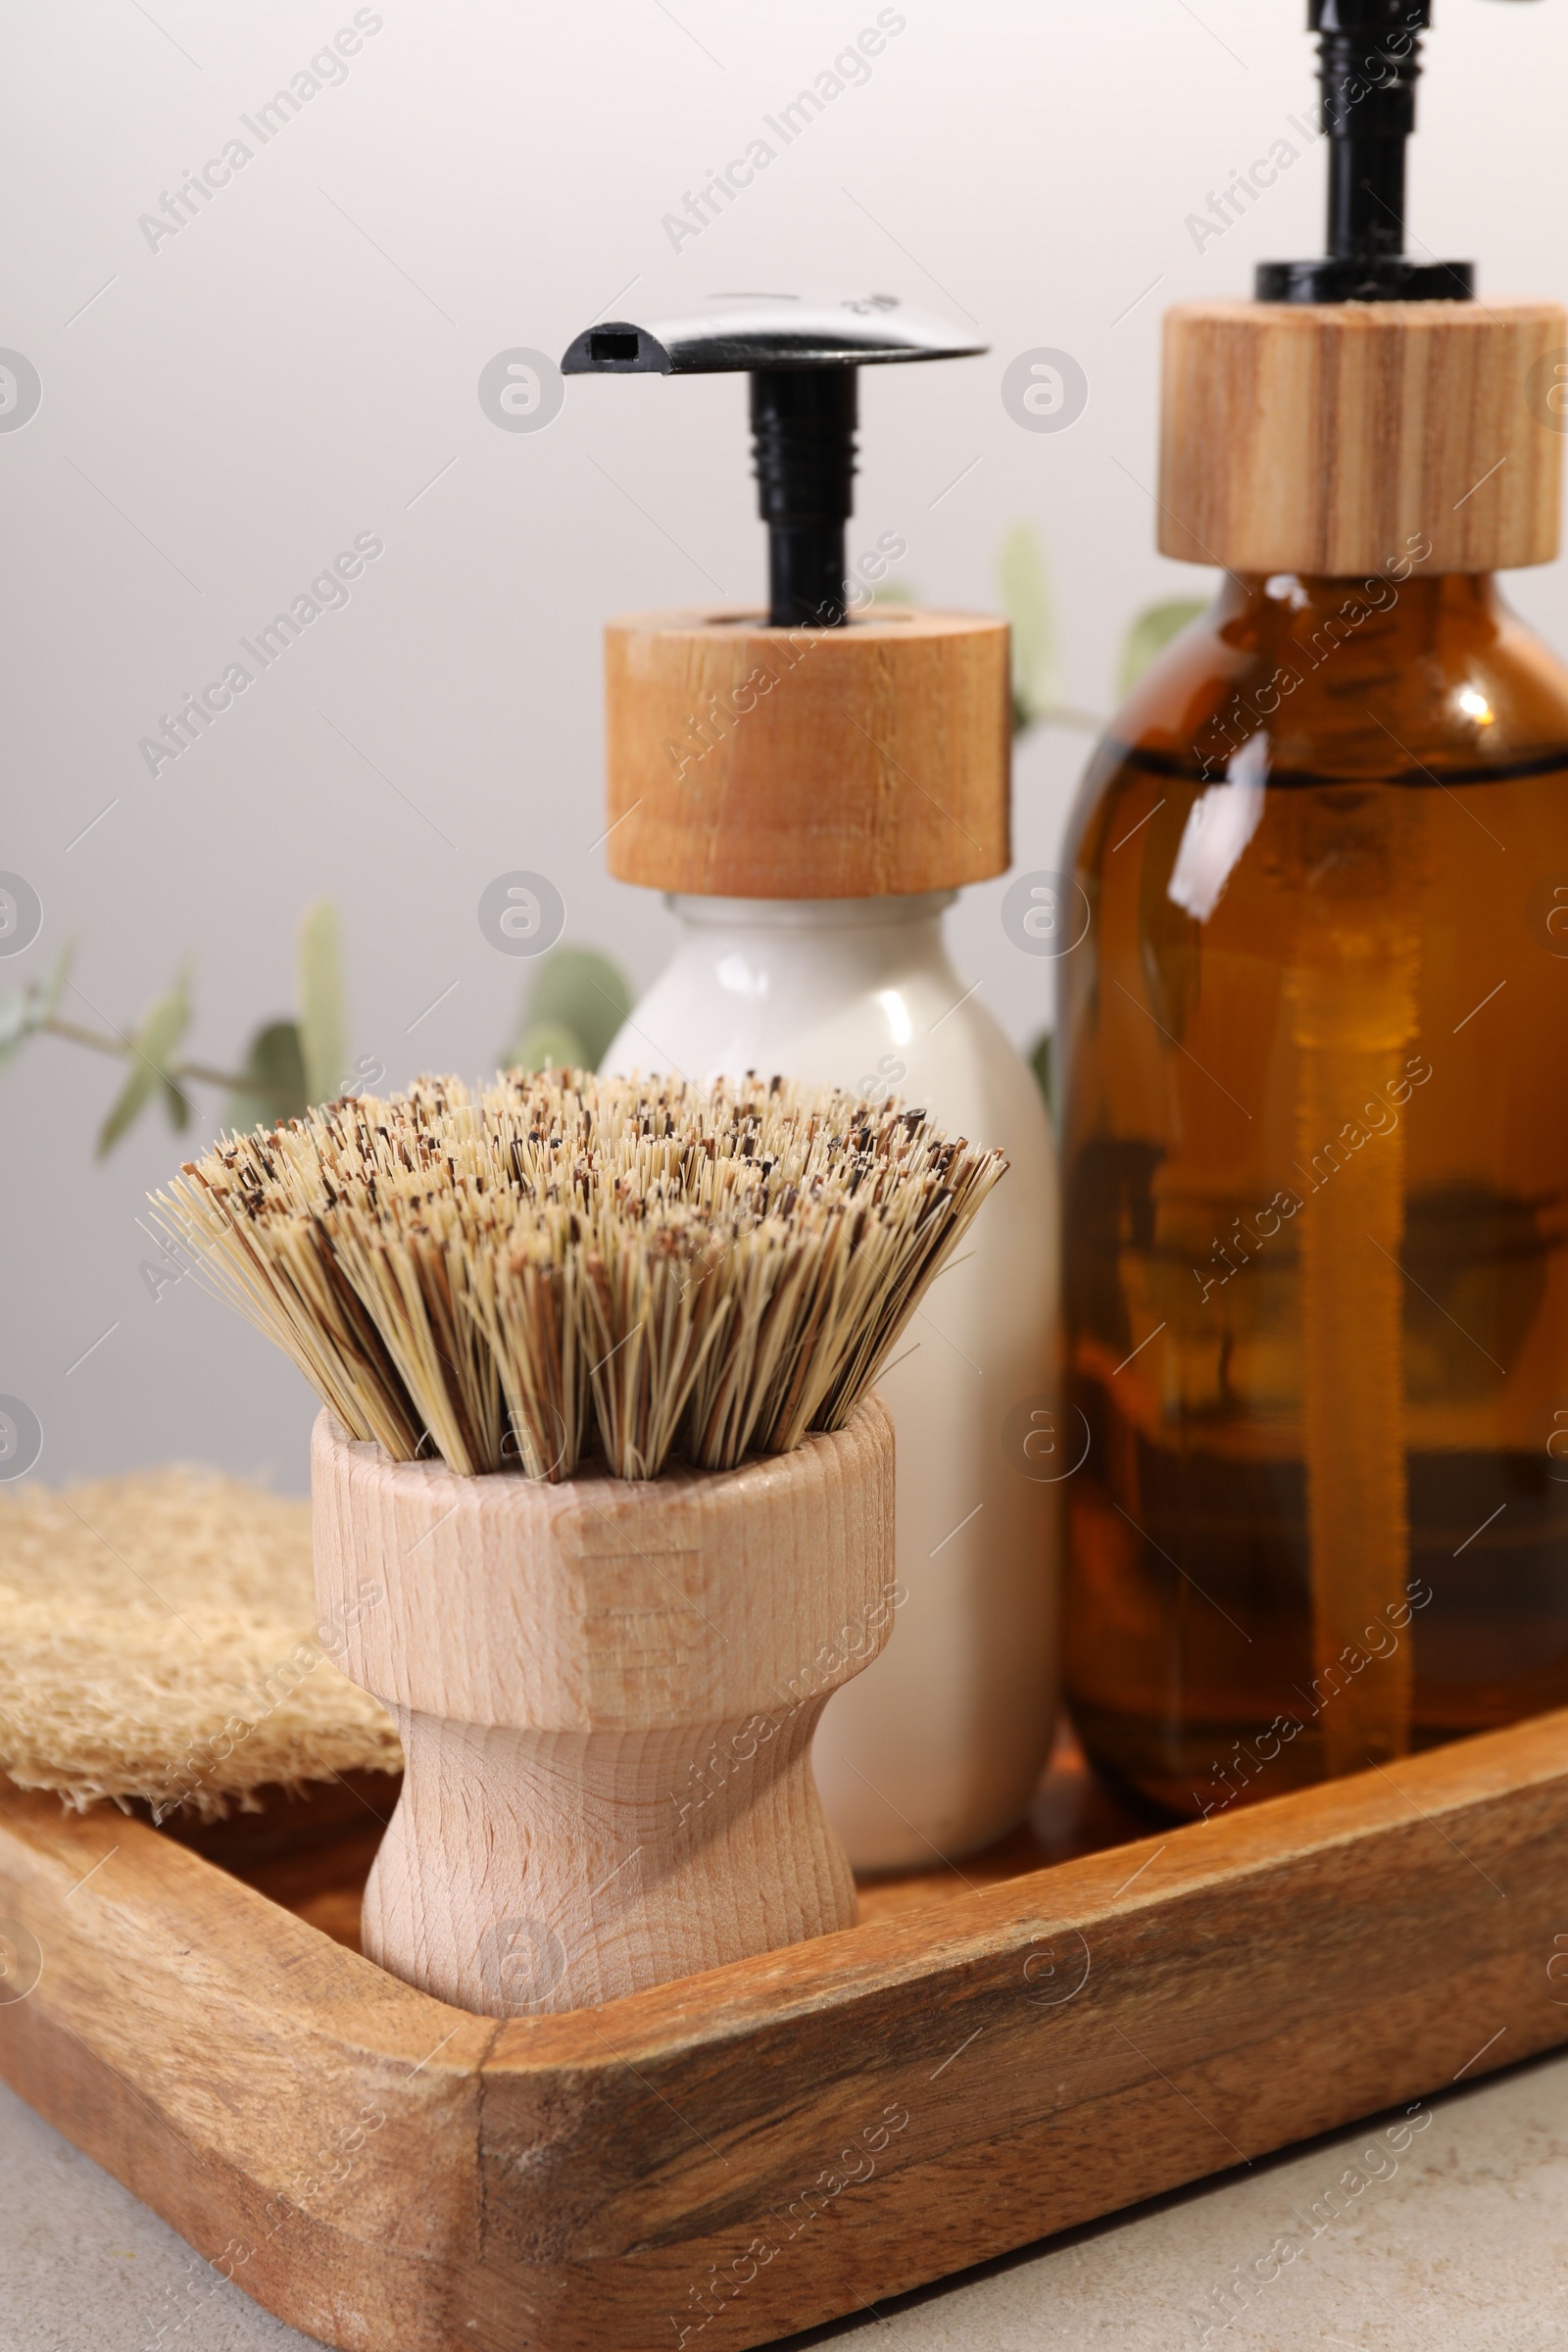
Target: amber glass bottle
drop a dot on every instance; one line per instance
(1315, 1150)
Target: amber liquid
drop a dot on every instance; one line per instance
(1315, 1143)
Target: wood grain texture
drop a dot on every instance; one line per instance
(746, 762)
(1333, 439)
(726, 2159)
(606, 1692)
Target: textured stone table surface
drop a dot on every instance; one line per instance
(1457, 2241)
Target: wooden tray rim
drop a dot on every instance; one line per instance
(571, 2182)
(1000, 1921)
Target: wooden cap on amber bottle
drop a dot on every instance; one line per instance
(1365, 409)
(1335, 438)
(868, 760)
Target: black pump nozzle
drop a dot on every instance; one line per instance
(803, 440)
(1370, 64)
(803, 360)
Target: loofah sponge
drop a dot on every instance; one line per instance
(159, 1640)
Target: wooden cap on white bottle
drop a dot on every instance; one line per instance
(1335, 438)
(864, 761)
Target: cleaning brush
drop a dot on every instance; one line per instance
(502, 1277)
(664, 1306)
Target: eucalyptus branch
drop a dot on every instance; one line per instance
(104, 1042)
(1063, 714)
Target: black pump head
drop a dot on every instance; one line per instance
(802, 359)
(1370, 64)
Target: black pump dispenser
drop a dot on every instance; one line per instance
(803, 360)
(1370, 64)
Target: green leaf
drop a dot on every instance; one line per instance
(26, 1010)
(17, 1023)
(1024, 587)
(152, 1048)
(576, 990)
(177, 1105)
(323, 1028)
(1042, 1061)
(54, 988)
(541, 1041)
(275, 1080)
(1148, 635)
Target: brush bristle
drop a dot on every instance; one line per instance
(564, 1266)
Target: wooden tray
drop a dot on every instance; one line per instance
(989, 2056)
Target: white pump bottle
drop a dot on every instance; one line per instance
(809, 788)
(935, 1749)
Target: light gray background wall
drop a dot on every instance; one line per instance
(300, 364)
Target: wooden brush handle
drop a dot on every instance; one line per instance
(606, 1694)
